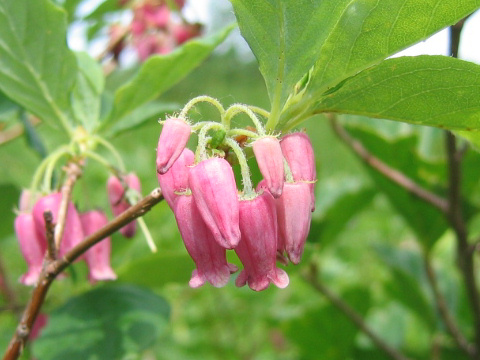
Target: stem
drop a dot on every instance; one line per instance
(52, 269)
(50, 235)
(102, 161)
(259, 111)
(394, 175)
(464, 252)
(445, 314)
(245, 170)
(236, 109)
(112, 149)
(74, 171)
(199, 99)
(148, 236)
(200, 153)
(247, 133)
(455, 211)
(351, 314)
(44, 164)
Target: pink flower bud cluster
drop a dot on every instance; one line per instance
(154, 30)
(30, 229)
(213, 218)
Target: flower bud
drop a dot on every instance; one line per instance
(172, 141)
(258, 245)
(119, 203)
(32, 247)
(298, 151)
(269, 157)
(294, 217)
(73, 232)
(176, 179)
(215, 193)
(209, 257)
(98, 256)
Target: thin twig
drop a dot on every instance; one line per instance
(50, 234)
(74, 171)
(394, 175)
(455, 209)
(442, 307)
(351, 314)
(54, 268)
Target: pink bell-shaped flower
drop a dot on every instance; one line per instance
(258, 246)
(294, 217)
(32, 247)
(119, 203)
(176, 179)
(98, 256)
(215, 193)
(298, 151)
(73, 232)
(209, 257)
(172, 141)
(269, 157)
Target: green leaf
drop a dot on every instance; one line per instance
(33, 139)
(159, 73)
(37, 70)
(364, 32)
(427, 90)
(158, 269)
(86, 95)
(109, 322)
(150, 111)
(286, 37)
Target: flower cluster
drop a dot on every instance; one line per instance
(262, 224)
(30, 228)
(154, 30)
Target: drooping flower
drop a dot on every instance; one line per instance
(269, 157)
(209, 257)
(73, 232)
(298, 151)
(32, 247)
(118, 202)
(215, 193)
(176, 179)
(294, 217)
(184, 32)
(172, 141)
(98, 256)
(258, 245)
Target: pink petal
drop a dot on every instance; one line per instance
(172, 141)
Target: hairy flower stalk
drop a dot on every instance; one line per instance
(258, 245)
(208, 255)
(172, 141)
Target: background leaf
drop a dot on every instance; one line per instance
(112, 322)
(86, 95)
(37, 70)
(366, 32)
(426, 90)
(159, 73)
